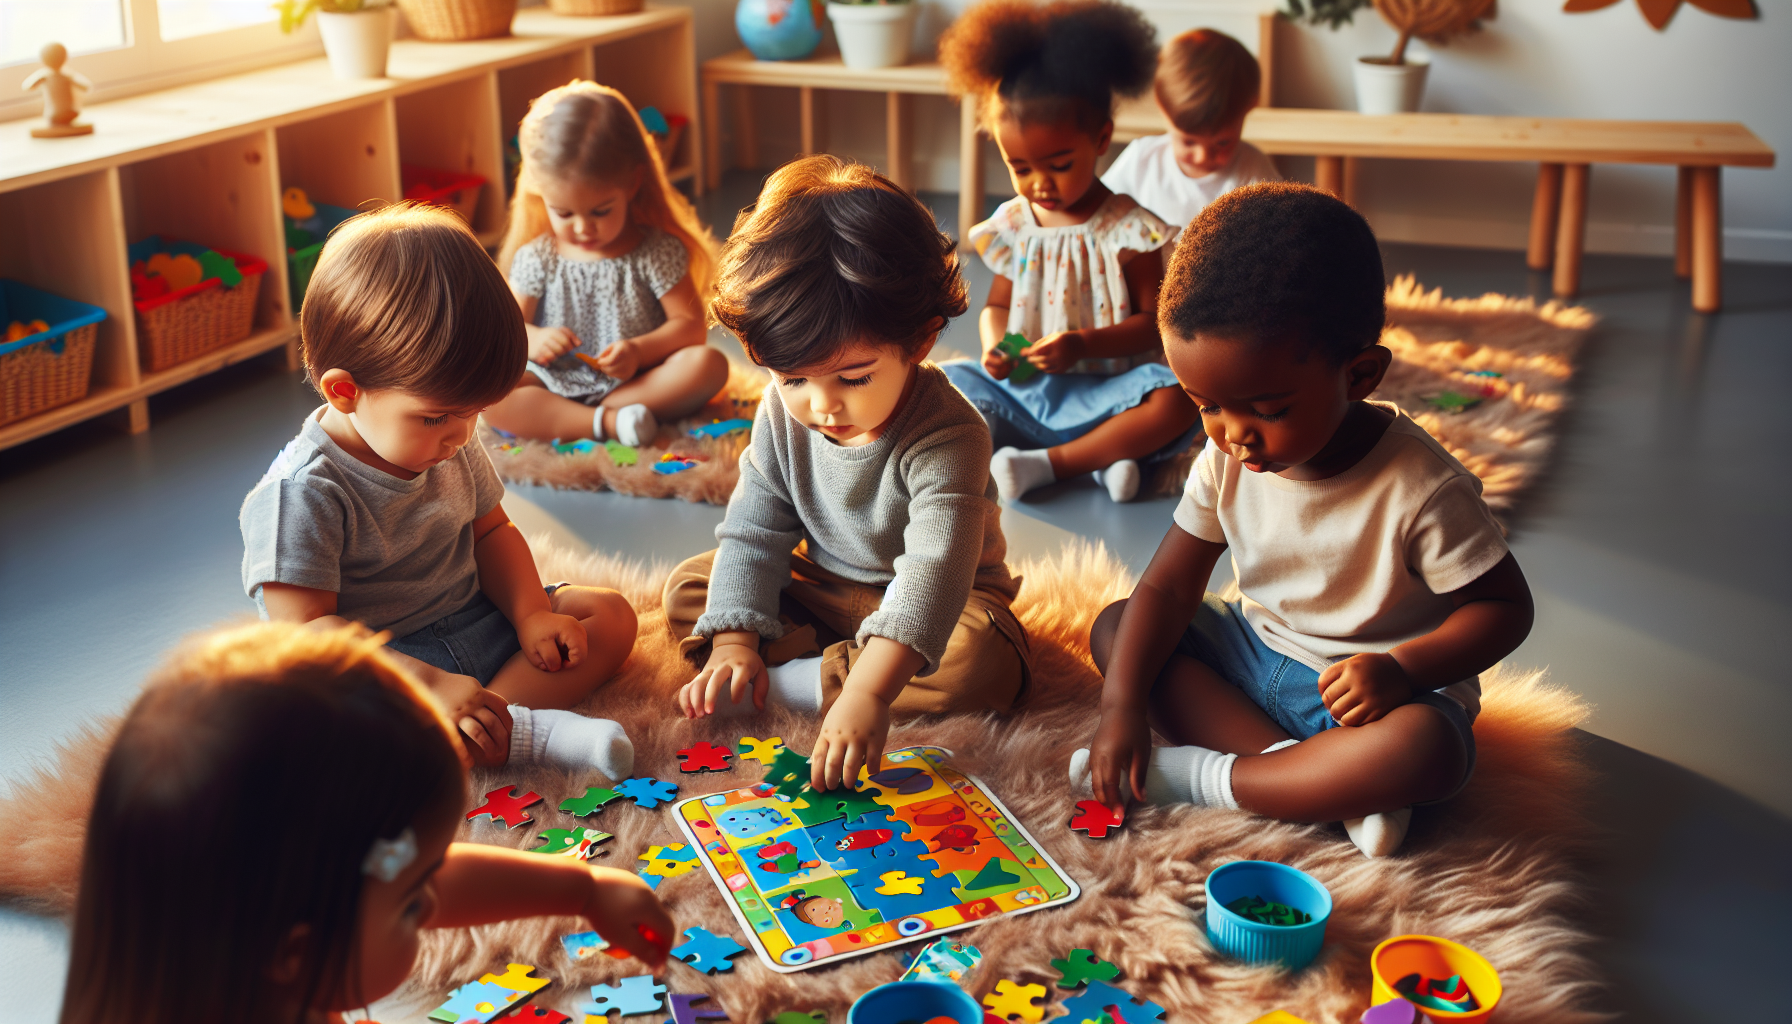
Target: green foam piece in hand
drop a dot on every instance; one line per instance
(1023, 371)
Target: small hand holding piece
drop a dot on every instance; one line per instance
(732, 670)
(1056, 353)
(1119, 758)
(623, 910)
(482, 716)
(552, 641)
(1364, 687)
(547, 344)
(998, 364)
(621, 360)
(852, 736)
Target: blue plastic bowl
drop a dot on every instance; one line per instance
(901, 1001)
(1243, 939)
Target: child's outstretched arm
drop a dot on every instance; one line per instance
(685, 326)
(1492, 617)
(1056, 353)
(992, 327)
(1158, 611)
(479, 884)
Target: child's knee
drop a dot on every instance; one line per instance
(1101, 634)
(607, 615)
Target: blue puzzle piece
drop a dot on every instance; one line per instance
(1095, 1000)
(639, 994)
(648, 793)
(707, 952)
(684, 1013)
(722, 427)
(476, 1001)
(745, 823)
(935, 893)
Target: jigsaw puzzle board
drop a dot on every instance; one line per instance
(919, 849)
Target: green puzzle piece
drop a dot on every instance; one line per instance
(788, 773)
(994, 874)
(595, 797)
(1081, 966)
(1023, 370)
(822, 807)
(622, 454)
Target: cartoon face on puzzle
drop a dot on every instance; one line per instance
(746, 824)
(820, 911)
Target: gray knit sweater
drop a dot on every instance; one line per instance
(914, 511)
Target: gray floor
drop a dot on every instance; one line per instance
(1657, 547)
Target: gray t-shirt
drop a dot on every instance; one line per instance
(397, 553)
(601, 301)
(914, 511)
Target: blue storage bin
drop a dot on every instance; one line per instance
(51, 367)
(901, 1001)
(1241, 938)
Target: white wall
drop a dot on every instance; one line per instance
(1533, 59)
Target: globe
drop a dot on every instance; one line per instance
(779, 29)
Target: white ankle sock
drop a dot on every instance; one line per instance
(795, 685)
(563, 739)
(1121, 479)
(1379, 835)
(1016, 472)
(1178, 775)
(636, 425)
(597, 424)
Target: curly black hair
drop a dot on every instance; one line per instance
(1277, 261)
(1039, 59)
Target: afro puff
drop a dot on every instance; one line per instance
(1046, 61)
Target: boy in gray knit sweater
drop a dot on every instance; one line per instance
(862, 555)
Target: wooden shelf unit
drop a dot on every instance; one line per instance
(207, 163)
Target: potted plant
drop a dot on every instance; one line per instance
(357, 33)
(1395, 84)
(873, 33)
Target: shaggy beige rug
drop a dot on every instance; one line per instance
(1496, 869)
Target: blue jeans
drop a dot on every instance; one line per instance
(475, 641)
(1287, 690)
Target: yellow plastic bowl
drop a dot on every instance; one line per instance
(1434, 958)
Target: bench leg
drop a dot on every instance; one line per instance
(806, 115)
(970, 171)
(746, 133)
(1350, 179)
(137, 416)
(1328, 174)
(293, 357)
(1707, 239)
(896, 140)
(712, 134)
(1683, 224)
(1546, 205)
(1571, 230)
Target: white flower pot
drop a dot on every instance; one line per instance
(873, 35)
(1390, 88)
(356, 42)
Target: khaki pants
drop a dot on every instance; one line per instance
(985, 668)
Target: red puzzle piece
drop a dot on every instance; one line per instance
(704, 757)
(1094, 819)
(529, 1013)
(502, 806)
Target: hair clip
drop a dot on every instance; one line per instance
(390, 856)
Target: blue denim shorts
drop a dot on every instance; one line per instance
(475, 641)
(1287, 690)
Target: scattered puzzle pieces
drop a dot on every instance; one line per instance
(708, 952)
(800, 1017)
(579, 447)
(500, 805)
(683, 1012)
(639, 994)
(722, 428)
(704, 757)
(517, 978)
(1012, 1001)
(898, 883)
(622, 454)
(580, 945)
(663, 862)
(580, 843)
(752, 748)
(1082, 965)
(532, 1014)
(647, 793)
(475, 1001)
(1094, 819)
(1095, 1001)
(670, 463)
(583, 806)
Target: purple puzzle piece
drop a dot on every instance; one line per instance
(685, 1013)
(1394, 1011)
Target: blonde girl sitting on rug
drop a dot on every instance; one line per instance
(381, 512)
(1077, 266)
(273, 830)
(1338, 679)
(613, 272)
(861, 557)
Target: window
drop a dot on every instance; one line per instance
(84, 26)
(184, 19)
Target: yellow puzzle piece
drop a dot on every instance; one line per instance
(897, 883)
(1011, 1000)
(752, 748)
(516, 978)
(1278, 1017)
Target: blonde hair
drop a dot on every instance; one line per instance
(1206, 80)
(593, 131)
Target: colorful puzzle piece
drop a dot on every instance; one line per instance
(595, 797)
(670, 464)
(752, 748)
(814, 808)
(529, 1013)
(708, 952)
(1394, 1011)
(1278, 1017)
(582, 945)
(897, 883)
(647, 793)
(1100, 997)
(663, 862)
(905, 781)
(1012, 1000)
(580, 843)
(683, 1012)
(639, 994)
(475, 1001)
(787, 772)
(622, 454)
(943, 960)
(1082, 965)
(500, 805)
(516, 977)
(800, 1017)
(1012, 344)
(1095, 820)
(579, 447)
(704, 757)
(722, 428)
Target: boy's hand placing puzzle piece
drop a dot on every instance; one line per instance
(1012, 345)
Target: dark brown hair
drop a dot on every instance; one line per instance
(834, 253)
(1206, 80)
(1049, 62)
(1273, 262)
(240, 799)
(405, 298)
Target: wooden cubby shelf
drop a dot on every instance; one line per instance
(208, 162)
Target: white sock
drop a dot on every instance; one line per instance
(563, 739)
(1379, 835)
(636, 425)
(795, 685)
(1121, 479)
(1016, 472)
(597, 424)
(1178, 775)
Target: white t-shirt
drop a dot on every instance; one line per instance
(1353, 564)
(1146, 170)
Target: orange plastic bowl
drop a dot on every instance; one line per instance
(1434, 958)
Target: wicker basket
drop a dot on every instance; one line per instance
(55, 369)
(588, 8)
(183, 325)
(444, 21)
